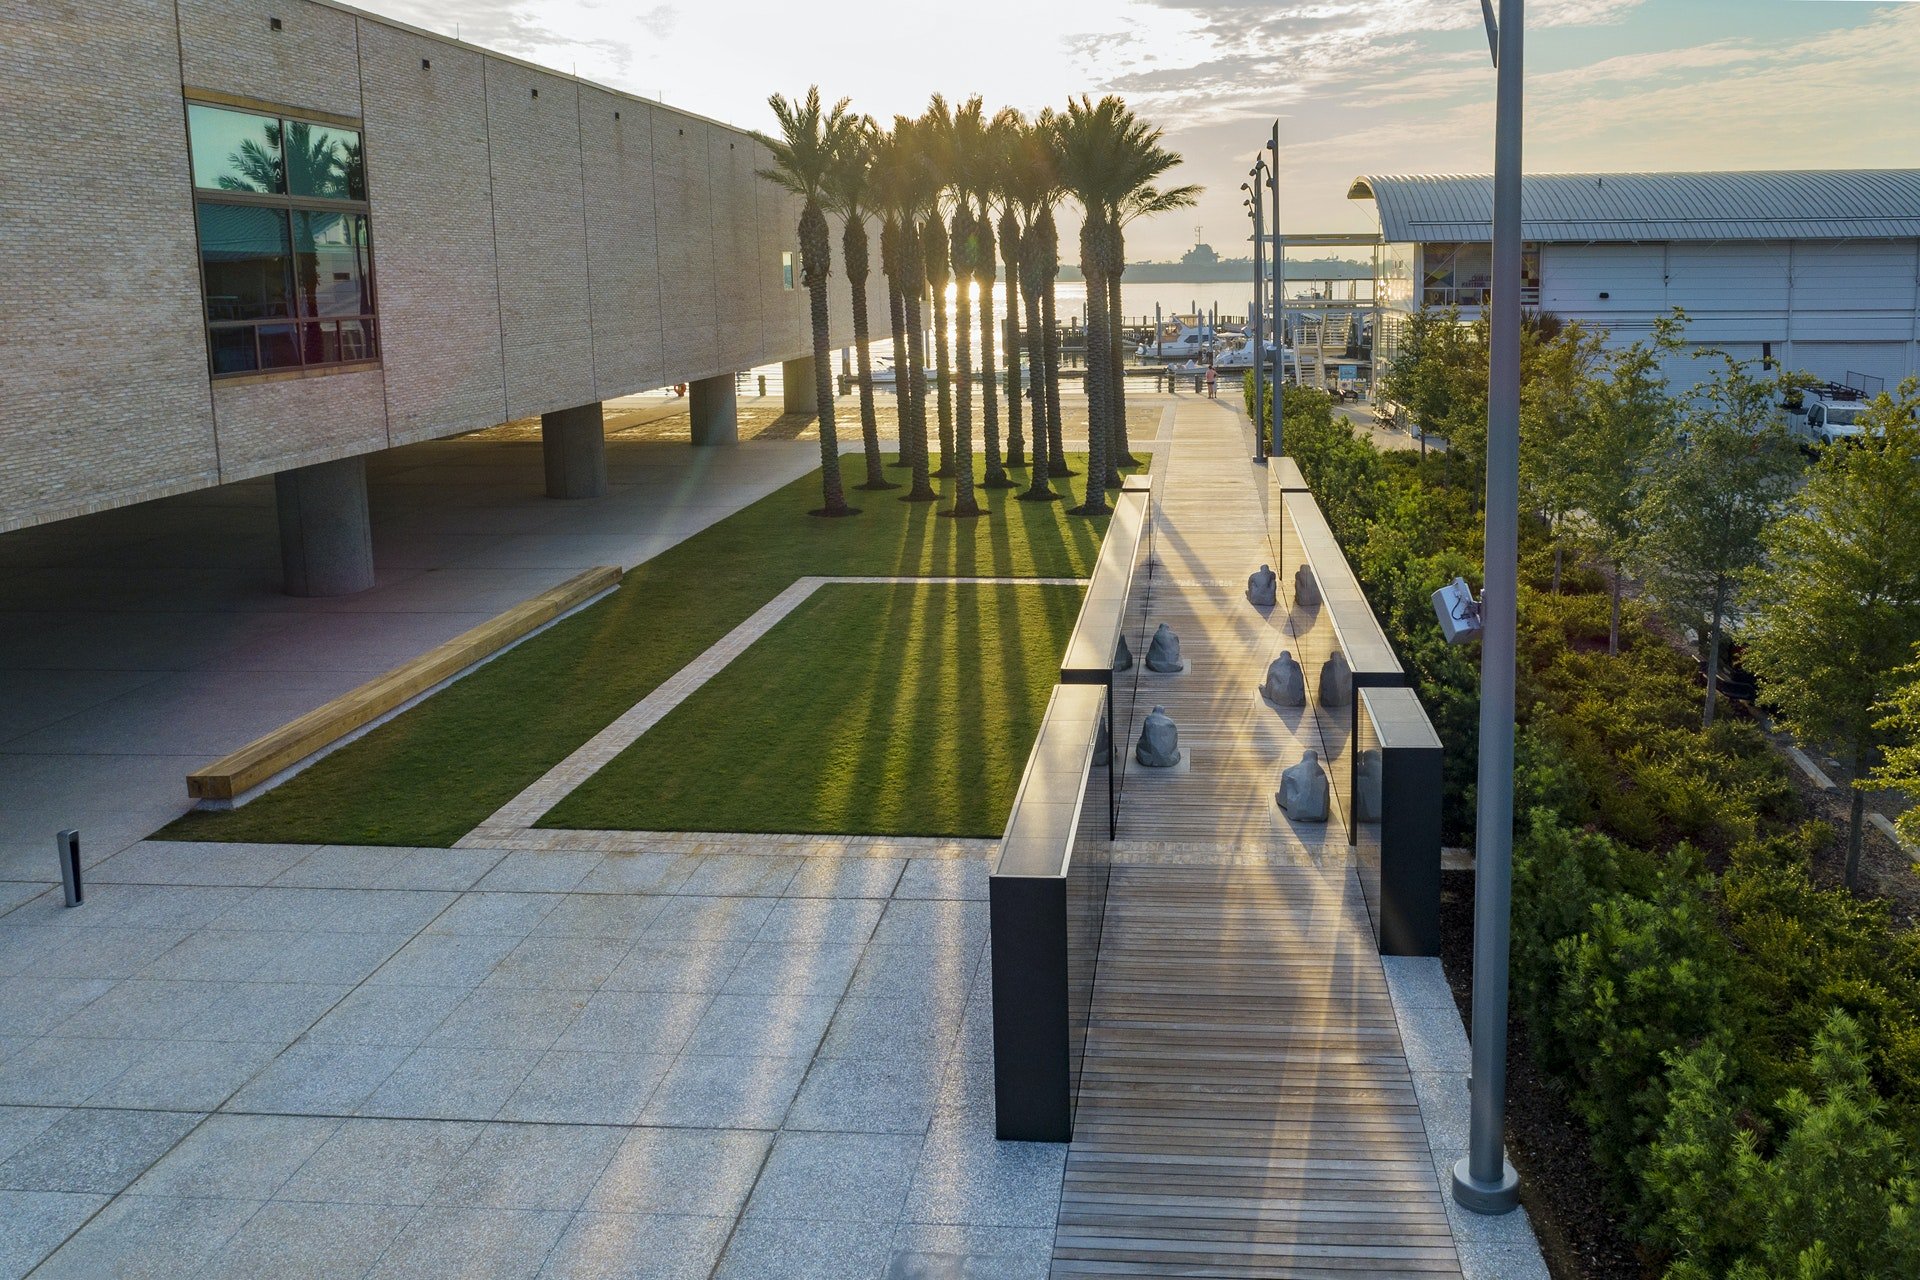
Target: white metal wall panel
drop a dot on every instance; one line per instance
(1833, 361)
(1572, 278)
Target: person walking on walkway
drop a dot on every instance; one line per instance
(1213, 383)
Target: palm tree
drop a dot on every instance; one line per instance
(910, 188)
(936, 127)
(1141, 203)
(1032, 184)
(1106, 156)
(1006, 147)
(850, 193)
(802, 158)
(965, 138)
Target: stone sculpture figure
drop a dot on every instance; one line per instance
(1163, 654)
(1306, 589)
(1336, 681)
(1303, 790)
(1159, 746)
(1123, 656)
(1367, 779)
(1286, 684)
(1263, 588)
(1102, 746)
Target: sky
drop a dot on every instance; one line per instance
(1358, 86)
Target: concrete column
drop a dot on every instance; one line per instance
(797, 375)
(716, 414)
(574, 444)
(326, 541)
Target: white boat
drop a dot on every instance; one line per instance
(1177, 340)
(1239, 358)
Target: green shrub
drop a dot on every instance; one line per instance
(1837, 1198)
(1682, 976)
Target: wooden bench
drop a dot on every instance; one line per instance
(1043, 905)
(1103, 612)
(227, 779)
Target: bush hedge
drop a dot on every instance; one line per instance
(1742, 1045)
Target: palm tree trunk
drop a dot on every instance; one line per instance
(964, 502)
(1010, 253)
(1122, 454)
(833, 496)
(921, 489)
(933, 239)
(1050, 337)
(902, 379)
(1039, 490)
(996, 476)
(1099, 356)
(854, 241)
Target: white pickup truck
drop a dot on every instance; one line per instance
(1833, 421)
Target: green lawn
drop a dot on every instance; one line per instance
(431, 775)
(880, 710)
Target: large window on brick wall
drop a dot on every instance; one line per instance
(286, 257)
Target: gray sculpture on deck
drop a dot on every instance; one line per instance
(1286, 684)
(1263, 588)
(1303, 790)
(1368, 778)
(1163, 654)
(1102, 746)
(1306, 589)
(1122, 656)
(1336, 681)
(1159, 741)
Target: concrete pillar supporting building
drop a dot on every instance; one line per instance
(716, 411)
(796, 377)
(326, 540)
(573, 443)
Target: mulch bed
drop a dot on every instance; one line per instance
(1580, 1236)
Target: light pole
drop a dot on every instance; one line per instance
(1484, 1182)
(1252, 205)
(1279, 290)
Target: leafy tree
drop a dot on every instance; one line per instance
(1719, 480)
(1031, 179)
(910, 187)
(803, 157)
(1900, 768)
(851, 193)
(962, 138)
(1836, 605)
(1556, 423)
(1630, 415)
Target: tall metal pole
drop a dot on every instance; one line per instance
(1279, 291)
(1484, 1182)
(1254, 325)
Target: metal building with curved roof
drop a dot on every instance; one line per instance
(1576, 208)
(1816, 270)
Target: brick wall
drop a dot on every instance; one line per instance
(530, 253)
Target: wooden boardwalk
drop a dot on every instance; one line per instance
(1246, 1109)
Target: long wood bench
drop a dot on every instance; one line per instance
(237, 773)
(1045, 908)
(1103, 612)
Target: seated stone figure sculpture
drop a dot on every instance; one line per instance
(1303, 790)
(1163, 654)
(1306, 588)
(1102, 747)
(1263, 588)
(1159, 746)
(1286, 684)
(1336, 681)
(1122, 656)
